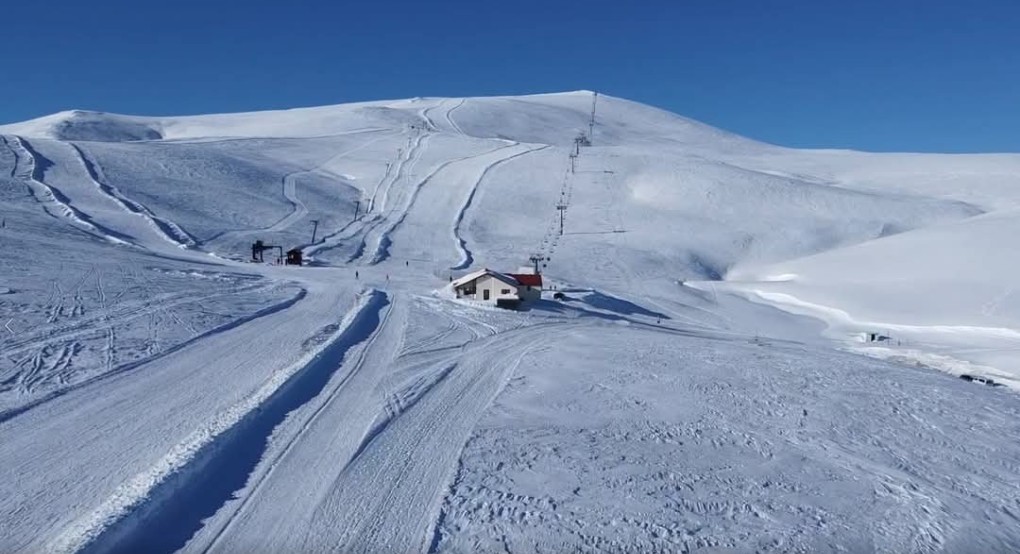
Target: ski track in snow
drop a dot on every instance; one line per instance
(384, 240)
(289, 189)
(324, 399)
(630, 416)
(113, 522)
(414, 151)
(52, 200)
(374, 216)
(448, 115)
(88, 328)
(430, 124)
(431, 436)
(167, 230)
(298, 208)
(409, 158)
(215, 140)
(466, 258)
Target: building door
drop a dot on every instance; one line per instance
(485, 294)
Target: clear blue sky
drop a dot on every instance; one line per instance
(934, 75)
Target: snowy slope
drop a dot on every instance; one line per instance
(945, 295)
(158, 392)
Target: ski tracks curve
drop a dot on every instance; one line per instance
(448, 116)
(353, 386)
(466, 257)
(382, 243)
(52, 200)
(390, 495)
(166, 229)
(119, 521)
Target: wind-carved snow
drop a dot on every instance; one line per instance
(696, 383)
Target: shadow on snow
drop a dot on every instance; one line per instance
(177, 508)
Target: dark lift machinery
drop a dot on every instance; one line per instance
(258, 247)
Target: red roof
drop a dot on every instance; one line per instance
(527, 279)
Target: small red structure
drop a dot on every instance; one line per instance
(529, 285)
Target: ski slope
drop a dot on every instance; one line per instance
(704, 384)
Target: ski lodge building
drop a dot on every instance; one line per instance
(506, 290)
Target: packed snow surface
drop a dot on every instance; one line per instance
(753, 348)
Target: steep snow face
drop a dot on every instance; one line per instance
(947, 290)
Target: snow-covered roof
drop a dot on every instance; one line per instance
(483, 272)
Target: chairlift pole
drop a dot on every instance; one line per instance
(562, 208)
(315, 228)
(537, 259)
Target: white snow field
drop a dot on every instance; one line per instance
(703, 385)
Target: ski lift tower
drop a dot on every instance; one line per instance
(562, 208)
(536, 259)
(591, 123)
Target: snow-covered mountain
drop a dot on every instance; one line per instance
(154, 379)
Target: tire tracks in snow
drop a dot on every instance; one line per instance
(379, 391)
(198, 474)
(384, 498)
(130, 366)
(122, 314)
(356, 368)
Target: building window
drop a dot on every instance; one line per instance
(469, 289)
(505, 291)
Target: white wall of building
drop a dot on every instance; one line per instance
(497, 290)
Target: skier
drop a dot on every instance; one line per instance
(355, 274)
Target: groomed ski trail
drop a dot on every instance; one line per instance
(354, 393)
(375, 464)
(157, 434)
(187, 479)
(385, 501)
(382, 241)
